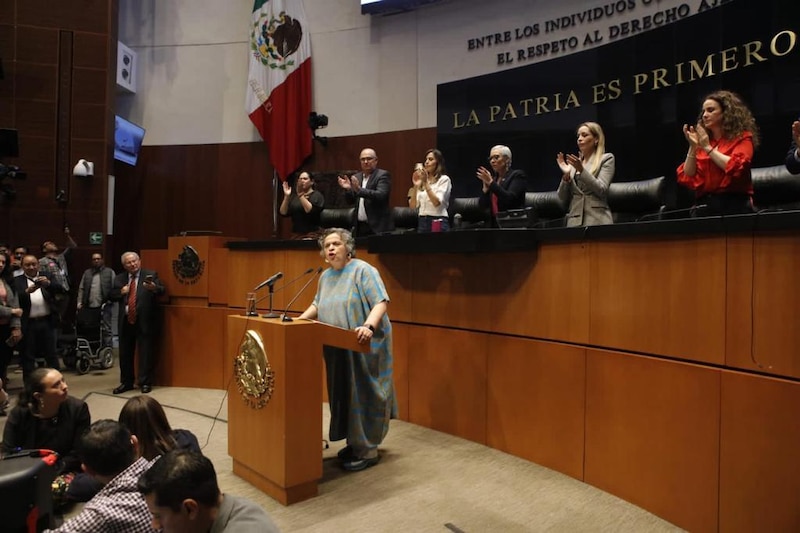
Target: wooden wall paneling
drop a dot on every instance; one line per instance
(454, 290)
(64, 163)
(91, 16)
(218, 274)
(660, 296)
(401, 354)
(776, 291)
(248, 269)
(536, 402)
(759, 465)
(398, 275)
(739, 302)
(35, 81)
(447, 381)
(192, 349)
(37, 45)
(652, 435)
(242, 191)
(92, 51)
(297, 262)
(544, 292)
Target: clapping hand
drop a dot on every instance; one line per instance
(575, 161)
(287, 189)
(485, 176)
(796, 133)
(354, 184)
(564, 166)
(344, 182)
(696, 135)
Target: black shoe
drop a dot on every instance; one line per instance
(122, 388)
(346, 454)
(355, 465)
(145, 389)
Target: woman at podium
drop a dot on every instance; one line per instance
(351, 295)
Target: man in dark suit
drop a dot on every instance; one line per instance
(137, 292)
(37, 297)
(793, 157)
(371, 188)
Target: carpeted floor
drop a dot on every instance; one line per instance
(426, 480)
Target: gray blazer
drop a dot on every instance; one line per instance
(587, 194)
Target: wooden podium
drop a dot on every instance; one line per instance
(278, 448)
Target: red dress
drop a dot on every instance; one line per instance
(735, 178)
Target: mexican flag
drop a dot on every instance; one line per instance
(279, 87)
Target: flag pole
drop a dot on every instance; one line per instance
(274, 204)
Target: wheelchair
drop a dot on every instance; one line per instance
(94, 339)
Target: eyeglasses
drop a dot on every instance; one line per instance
(495, 157)
(366, 159)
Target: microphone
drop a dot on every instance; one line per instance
(668, 214)
(309, 271)
(269, 282)
(285, 318)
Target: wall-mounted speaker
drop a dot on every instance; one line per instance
(126, 68)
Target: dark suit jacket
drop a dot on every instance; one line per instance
(376, 200)
(792, 164)
(510, 193)
(21, 286)
(146, 301)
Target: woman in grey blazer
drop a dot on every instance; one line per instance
(585, 178)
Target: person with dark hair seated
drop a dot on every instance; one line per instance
(46, 417)
(303, 205)
(793, 157)
(503, 188)
(109, 454)
(717, 165)
(146, 419)
(183, 496)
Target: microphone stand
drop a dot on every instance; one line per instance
(271, 314)
(285, 318)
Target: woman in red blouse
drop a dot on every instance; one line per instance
(721, 145)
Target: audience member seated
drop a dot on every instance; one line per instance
(145, 418)
(547, 208)
(183, 496)
(304, 205)
(717, 165)
(109, 454)
(793, 157)
(637, 200)
(775, 189)
(46, 417)
(503, 188)
(585, 178)
(433, 192)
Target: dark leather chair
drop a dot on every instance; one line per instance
(547, 209)
(775, 189)
(630, 201)
(337, 217)
(471, 213)
(405, 219)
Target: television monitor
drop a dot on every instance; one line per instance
(127, 140)
(389, 7)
